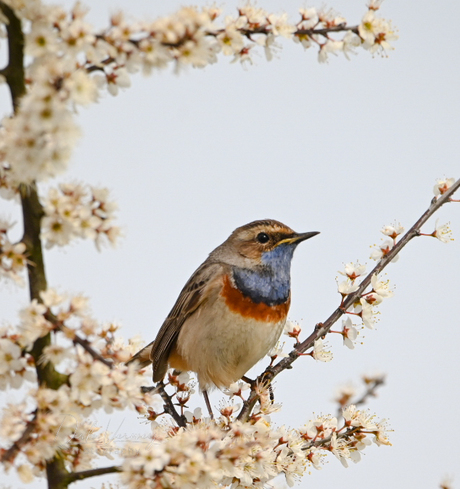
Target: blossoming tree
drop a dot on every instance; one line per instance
(67, 364)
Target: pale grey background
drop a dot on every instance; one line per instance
(342, 148)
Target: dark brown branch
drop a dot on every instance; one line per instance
(322, 329)
(169, 406)
(14, 71)
(85, 474)
(59, 325)
(17, 445)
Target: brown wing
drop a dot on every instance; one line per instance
(194, 294)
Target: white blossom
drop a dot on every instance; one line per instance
(392, 230)
(381, 433)
(382, 250)
(237, 388)
(73, 211)
(319, 352)
(381, 288)
(349, 333)
(33, 324)
(443, 232)
(367, 313)
(353, 271)
(376, 32)
(443, 185)
(13, 259)
(347, 287)
(277, 351)
(292, 329)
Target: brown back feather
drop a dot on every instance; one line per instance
(193, 295)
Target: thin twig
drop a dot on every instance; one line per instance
(324, 441)
(169, 406)
(322, 329)
(324, 32)
(77, 340)
(16, 446)
(85, 474)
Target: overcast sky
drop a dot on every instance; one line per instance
(342, 148)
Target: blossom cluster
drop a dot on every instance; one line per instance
(76, 211)
(89, 358)
(14, 363)
(364, 302)
(364, 306)
(392, 232)
(72, 63)
(442, 186)
(228, 452)
(13, 258)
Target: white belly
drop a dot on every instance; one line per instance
(221, 346)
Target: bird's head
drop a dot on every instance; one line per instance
(261, 242)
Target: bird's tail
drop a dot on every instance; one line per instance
(142, 357)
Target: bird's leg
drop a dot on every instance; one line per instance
(208, 404)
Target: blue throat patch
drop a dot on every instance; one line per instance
(269, 282)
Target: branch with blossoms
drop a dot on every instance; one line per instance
(72, 64)
(185, 37)
(76, 365)
(9, 454)
(354, 295)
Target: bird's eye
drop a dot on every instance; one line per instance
(263, 238)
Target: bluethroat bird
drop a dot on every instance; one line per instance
(232, 310)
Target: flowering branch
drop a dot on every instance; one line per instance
(32, 212)
(321, 329)
(72, 64)
(9, 454)
(169, 406)
(69, 64)
(77, 340)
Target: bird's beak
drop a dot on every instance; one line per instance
(298, 238)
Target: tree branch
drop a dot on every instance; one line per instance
(245, 32)
(85, 474)
(14, 71)
(49, 316)
(9, 454)
(169, 406)
(322, 329)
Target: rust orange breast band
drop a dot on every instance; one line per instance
(243, 305)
